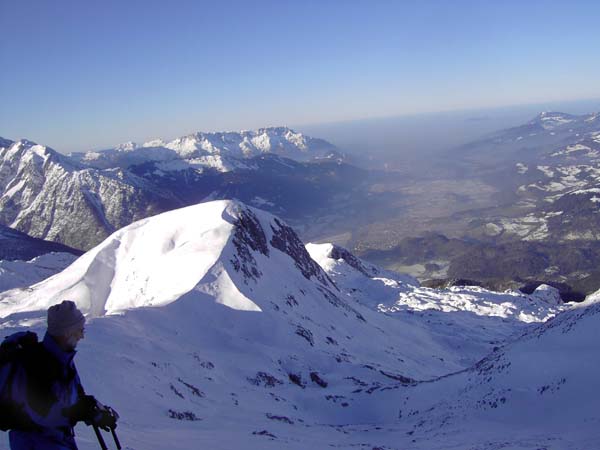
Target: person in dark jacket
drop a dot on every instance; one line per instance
(47, 389)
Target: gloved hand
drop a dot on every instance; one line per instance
(83, 411)
(106, 418)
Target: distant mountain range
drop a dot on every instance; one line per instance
(80, 199)
(222, 151)
(546, 132)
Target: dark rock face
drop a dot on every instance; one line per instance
(264, 379)
(296, 379)
(286, 240)
(306, 334)
(315, 378)
(341, 253)
(248, 237)
(49, 196)
(183, 415)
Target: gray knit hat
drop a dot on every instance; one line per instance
(64, 318)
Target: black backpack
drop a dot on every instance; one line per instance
(13, 352)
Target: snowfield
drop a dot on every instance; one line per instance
(214, 326)
(21, 274)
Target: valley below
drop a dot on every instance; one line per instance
(506, 211)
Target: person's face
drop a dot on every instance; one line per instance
(74, 337)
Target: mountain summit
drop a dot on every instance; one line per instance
(221, 247)
(51, 196)
(222, 151)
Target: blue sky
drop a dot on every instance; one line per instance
(84, 74)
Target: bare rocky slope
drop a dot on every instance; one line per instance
(47, 195)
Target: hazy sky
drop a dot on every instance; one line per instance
(90, 74)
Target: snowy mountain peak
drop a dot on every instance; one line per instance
(127, 146)
(282, 141)
(223, 248)
(220, 151)
(547, 294)
(52, 196)
(5, 142)
(26, 151)
(81, 198)
(334, 259)
(551, 119)
(154, 143)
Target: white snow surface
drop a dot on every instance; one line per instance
(551, 120)
(21, 274)
(522, 168)
(390, 292)
(122, 272)
(217, 314)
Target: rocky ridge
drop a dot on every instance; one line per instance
(79, 200)
(49, 196)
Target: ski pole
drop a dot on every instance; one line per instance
(100, 438)
(114, 435)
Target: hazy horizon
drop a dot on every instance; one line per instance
(83, 76)
(410, 135)
(424, 134)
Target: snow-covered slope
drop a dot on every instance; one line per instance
(21, 274)
(470, 321)
(535, 389)
(221, 151)
(361, 281)
(212, 327)
(539, 391)
(390, 292)
(47, 195)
